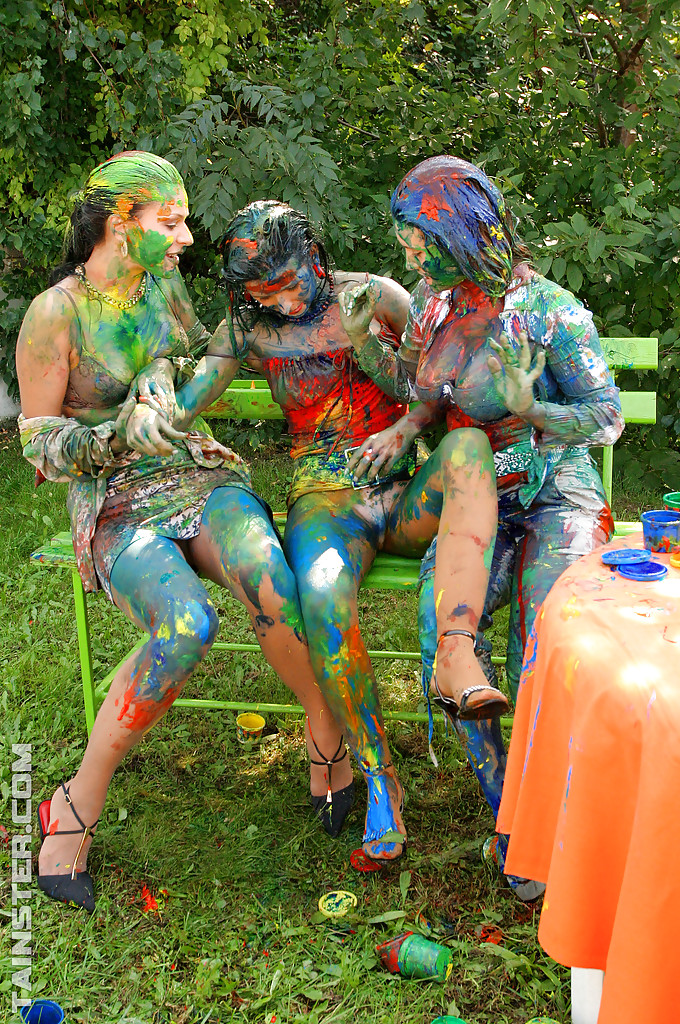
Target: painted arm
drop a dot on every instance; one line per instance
(214, 372)
(384, 300)
(572, 353)
(381, 451)
(59, 446)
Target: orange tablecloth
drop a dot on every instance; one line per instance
(592, 790)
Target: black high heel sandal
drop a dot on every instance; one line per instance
(76, 889)
(333, 808)
(492, 708)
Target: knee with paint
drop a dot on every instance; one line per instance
(466, 446)
(181, 639)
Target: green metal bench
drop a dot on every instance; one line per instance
(252, 400)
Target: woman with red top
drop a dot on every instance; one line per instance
(344, 504)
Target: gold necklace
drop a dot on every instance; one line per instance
(103, 297)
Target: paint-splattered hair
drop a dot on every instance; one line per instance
(123, 184)
(258, 240)
(462, 212)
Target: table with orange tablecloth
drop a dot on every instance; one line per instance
(592, 790)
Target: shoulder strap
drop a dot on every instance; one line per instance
(63, 291)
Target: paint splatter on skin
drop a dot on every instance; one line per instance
(472, 349)
(79, 356)
(148, 248)
(331, 407)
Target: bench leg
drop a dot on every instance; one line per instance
(84, 650)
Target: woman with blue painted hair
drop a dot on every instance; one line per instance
(151, 507)
(492, 344)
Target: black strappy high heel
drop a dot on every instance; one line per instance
(76, 889)
(493, 708)
(333, 808)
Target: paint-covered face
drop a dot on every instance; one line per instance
(438, 268)
(158, 234)
(290, 289)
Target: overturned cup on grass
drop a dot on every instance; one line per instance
(249, 727)
(42, 1011)
(661, 530)
(412, 956)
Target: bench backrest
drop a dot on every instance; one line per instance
(252, 399)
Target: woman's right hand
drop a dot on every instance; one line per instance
(142, 428)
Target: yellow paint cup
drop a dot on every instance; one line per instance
(249, 727)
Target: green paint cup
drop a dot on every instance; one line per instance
(420, 958)
(671, 501)
(542, 1020)
(448, 1019)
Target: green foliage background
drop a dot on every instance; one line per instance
(574, 107)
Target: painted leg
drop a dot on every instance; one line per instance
(586, 995)
(454, 495)
(330, 547)
(238, 548)
(483, 744)
(569, 518)
(153, 585)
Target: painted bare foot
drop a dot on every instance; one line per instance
(459, 685)
(331, 780)
(385, 833)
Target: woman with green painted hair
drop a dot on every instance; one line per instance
(151, 507)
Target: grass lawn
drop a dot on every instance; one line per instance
(225, 841)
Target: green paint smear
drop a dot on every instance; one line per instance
(148, 248)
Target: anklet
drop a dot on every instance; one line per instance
(457, 632)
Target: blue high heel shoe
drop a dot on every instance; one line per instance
(388, 843)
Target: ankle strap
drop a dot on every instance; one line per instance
(334, 759)
(67, 798)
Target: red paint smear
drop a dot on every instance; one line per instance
(149, 902)
(490, 933)
(261, 289)
(429, 208)
(246, 243)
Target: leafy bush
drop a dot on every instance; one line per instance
(572, 106)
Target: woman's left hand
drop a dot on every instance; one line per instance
(155, 387)
(358, 307)
(513, 373)
(379, 453)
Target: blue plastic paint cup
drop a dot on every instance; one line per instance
(661, 530)
(42, 1011)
